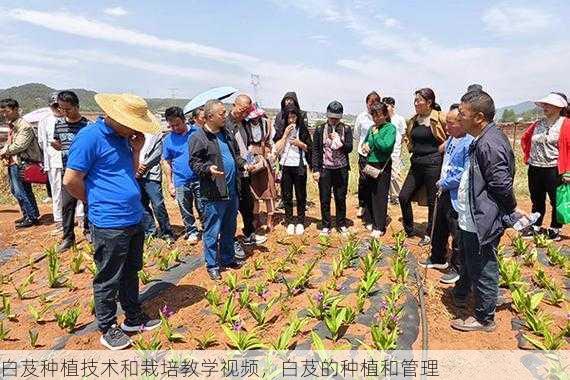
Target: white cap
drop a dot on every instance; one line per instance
(554, 100)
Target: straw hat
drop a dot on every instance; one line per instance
(129, 110)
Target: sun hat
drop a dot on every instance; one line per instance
(129, 110)
(334, 110)
(554, 100)
(255, 113)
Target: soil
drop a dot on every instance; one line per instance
(192, 316)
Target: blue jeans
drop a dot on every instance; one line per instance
(220, 220)
(23, 193)
(118, 256)
(480, 272)
(153, 203)
(185, 196)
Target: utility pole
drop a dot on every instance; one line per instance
(255, 82)
(173, 92)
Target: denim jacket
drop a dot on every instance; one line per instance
(456, 157)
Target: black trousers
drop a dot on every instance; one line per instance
(333, 181)
(246, 206)
(68, 204)
(377, 190)
(420, 174)
(362, 181)
(294, 177)
(446, 225)
(542, 181)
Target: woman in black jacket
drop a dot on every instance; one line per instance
(332, 142)
(293, 144)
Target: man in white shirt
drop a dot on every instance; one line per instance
(362, 124)
(397, 164)
(52, 158)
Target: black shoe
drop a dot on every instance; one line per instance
(168, 238)
(214, 274)
(141, 322)
(235, 265)
(451, 277)
(553, 234)
(239, 252)
(26, 223)
(115, 339)
(66, 245)
(426, 240)
(19, 220)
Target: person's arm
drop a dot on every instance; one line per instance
(495, 163)
(347, 144)
(21, 142)
(317, 147)
(385, 140)
(199, 158)
(155, 155)
(137, 142)
(455, 172)
(73, 180)
(167, 167)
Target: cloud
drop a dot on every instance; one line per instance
(115, 11)
(81, 26)
(509, 20)
(26, 71)
(391, 23)
(326, 10)
(319, 38)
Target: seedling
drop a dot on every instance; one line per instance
(399, 239)
(205, 341)
(368, 282)
(261, 289)
(145, 277)
(384, 339)
(541, 240)
(245, 297)
(297, 324)
(142, 344)
(302, 281)
(542, 280)
(33, 334)
(22, 289)
(38, 314)
(555, 257)
(320, 304)
(92, 305)
(368, 262)
(241, 339)
(538, 322)
(555, 295)
(227, 312)
(338, 267)
(164, 262)
(338, 317)
(92, 268)
(530, 257)
(523, 301)
(213, 296)
(551, 342)
(273, 274)
(232, 282)
(349, 252)
(260, 312)
(77, 262)
(55, 277)
(7, 308)
(376, 248)
(519, 245)
(68, 319)
(175, 256)
(247, 272)
(400, 270)
(168, 331)
(510, 272)
(4, 332)
(257, 264)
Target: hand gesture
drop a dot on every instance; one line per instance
(298, 143)
(137, 141)
(289, 129)
(215, 172)
(365, 148)
(56, 144)
(316, 176)
(171, 190)
(141, 170)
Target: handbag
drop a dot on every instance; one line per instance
(373, 172)
(563, 203)
(33, 172)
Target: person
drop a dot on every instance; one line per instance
(378, 146)
(332, 143)
(362, 124)
(64, 132)
(541, 144)
(214, 157)
(101, 172)
(294, 147)
(263, 180)
(484, 196)
(149, 178)
(474, 87)
(21, 147)
(183, 184)
(280, 122)
(455, 161)
(236, 124)
(425, 136)
(53, 165)
(198, 117)
(397, 165)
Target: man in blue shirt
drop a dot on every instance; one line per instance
(182, 182)
(101, 171)
(214, 157)
(454, 163)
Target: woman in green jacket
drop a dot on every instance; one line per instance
(379, 144)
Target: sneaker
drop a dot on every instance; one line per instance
(529, 232)
(553, 234)
(254, 239)
(239, 253)
(291, 229)
(115, 339)
(193, 238)
(47, 200)
(376, 234)
(214, 274)
(344, 230)
(369, 227)
(450, 277)
(237, 264)
(431, 265)
(141, 322)
(471, 324)
(325, 232)
(26, 223)
(169, 239)
(360, 212)
(426, 240)
(299, 229)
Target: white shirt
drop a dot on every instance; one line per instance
(465, 219)
(362, 124)
(400, 124)
(52, 157)
(291, 153)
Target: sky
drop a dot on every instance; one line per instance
(323, 49)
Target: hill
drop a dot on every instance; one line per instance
(520, 109)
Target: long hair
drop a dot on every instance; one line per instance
(429, 95)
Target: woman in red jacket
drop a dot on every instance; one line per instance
(546, 148)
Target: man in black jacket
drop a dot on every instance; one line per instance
(214, 157)
(485, 195)
(332, 143)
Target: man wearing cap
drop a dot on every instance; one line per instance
(52, 158)
(65, 131)
(545, 147)
(214, 157)
(22, 146)
(332, 143)
(101, 170)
